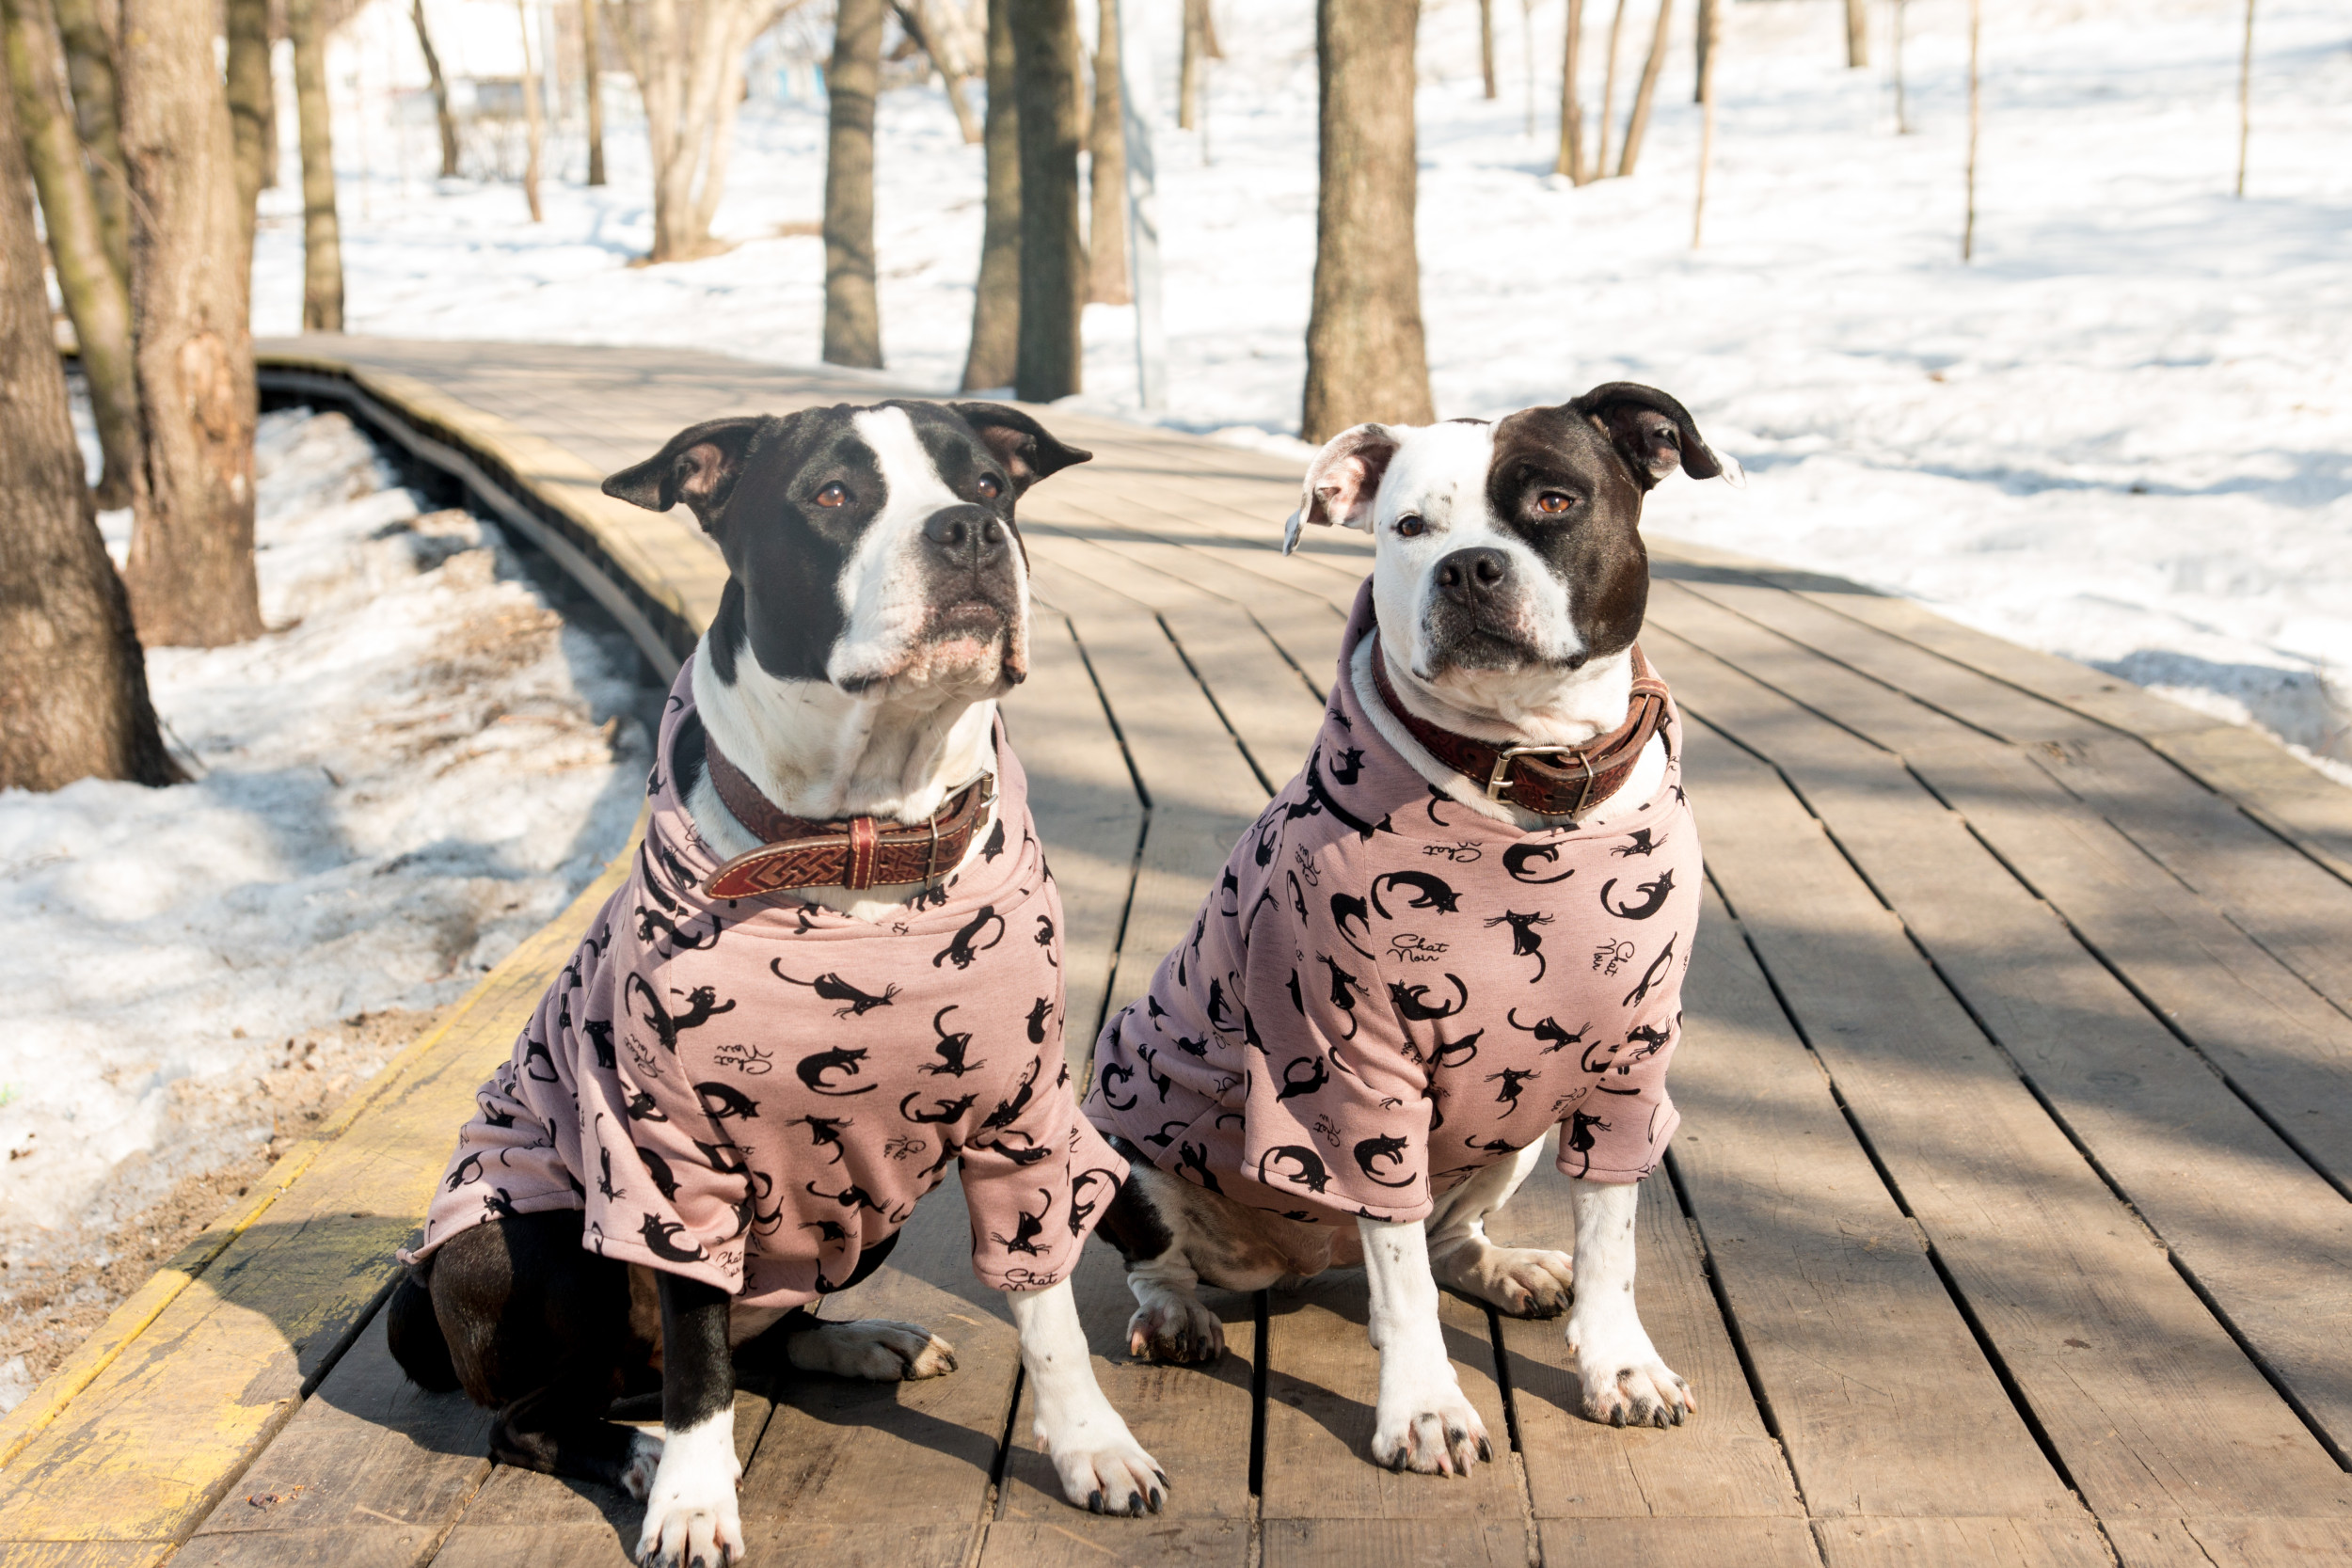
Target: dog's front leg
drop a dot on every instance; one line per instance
(690, 1515)
(1102, 1467)
(1423, 1421)
(1625, 1383)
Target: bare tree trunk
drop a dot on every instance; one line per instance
(1486, 43)
(270, 143)
(89, 70)
(853, 317)
(592, 72)
(1608, 93)
(1571, 159)
(1365, 357)
(73, 699)
(1106, 176)
(1190, 67)
(1527, 58)
(448, 121)
(996, 297)
(918, 30)
(1858, 34)
(191, 569)
(1707, 41)
(689, 65)
(1638, 122)
(95, 298)
(1053, 252)
(249, 102)
(322, 234)
(1710, 44)
(534, 121)
(2244, 99)
(1968, 227)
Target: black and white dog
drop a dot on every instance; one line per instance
(1509, 585)
(877, 606)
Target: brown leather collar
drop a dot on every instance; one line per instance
(856, 852)
(1552, 780)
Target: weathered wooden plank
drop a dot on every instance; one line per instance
(150, 1446)
(2261, 1233)
(1720, 1462)
(370, 1458)
(1085, 802)
(2228, 1542)
(2294, 906)
(82, 1553)
(1862, 1542)
(1203, 794)
(1881, 1398)
(1680, 1543)
(1085, 1542)
(1323, 1378)
(1393, 1542)
(2296, 801)
(2148, 1404)
(1254, 690)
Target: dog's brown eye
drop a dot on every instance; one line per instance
(1410, 526)
(832, 495)
(1553, 503)
(989, 488)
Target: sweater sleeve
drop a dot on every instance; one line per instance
(1036, 1186)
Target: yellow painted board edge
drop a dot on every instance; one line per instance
(122, 1327)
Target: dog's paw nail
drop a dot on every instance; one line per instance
(1094, 1501)
(1486, 1450)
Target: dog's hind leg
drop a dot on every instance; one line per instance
(875, 1349)
(1525, 1282)
(538, 1329)
(1147, 1223)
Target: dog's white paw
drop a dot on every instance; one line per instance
(1526, 1282)
(1624, 1381)
(1431, 1428)
(1118, 1477)
(645, 1458)
(1175, 1328)
(874, 1349)
(690, 1515)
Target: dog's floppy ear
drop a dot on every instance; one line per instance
(1025, 446)
(698, 467)
(1653, 433)
(1342, 481)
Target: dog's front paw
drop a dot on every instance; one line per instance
(874, 1349)
(1177, 1328)
(1624, 1381)
(1525, 1282)
(1435, 1430)
(1116, 1477)
(690, 1515)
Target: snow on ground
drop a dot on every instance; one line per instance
(414, 770)
(2123, 433)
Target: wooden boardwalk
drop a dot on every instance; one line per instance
(2007, 1223)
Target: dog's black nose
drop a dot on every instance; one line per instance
(1467, 576)
(965, 535)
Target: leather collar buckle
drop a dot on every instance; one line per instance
(1499, 781)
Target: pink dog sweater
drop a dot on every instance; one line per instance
(1388, 991)
(754, 1092)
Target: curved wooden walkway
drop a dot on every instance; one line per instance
(2009, 1222)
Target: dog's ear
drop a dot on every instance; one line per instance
(698, 467)
(1028, 452)
(1342, 481)
(1653, 433)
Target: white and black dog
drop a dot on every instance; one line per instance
(876, 607)
(1362, 1047)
